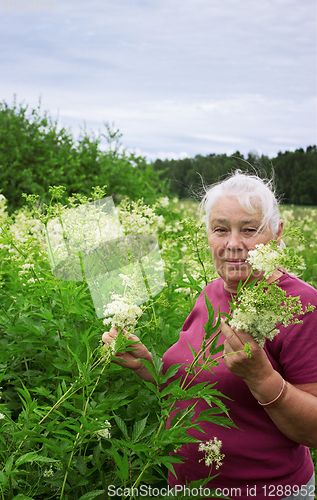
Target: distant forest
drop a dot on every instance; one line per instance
(294, 173)
(35, 154)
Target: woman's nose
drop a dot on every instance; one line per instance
(234, 241)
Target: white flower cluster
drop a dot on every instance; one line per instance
(49, 472)
(124, 314)
(107, 350)
(263, 308)
(261, 326)
(22, 241)
(128, 281)
(26, 267)
(212, 452)
(265, 258)
(105, 432)
(2, 416)
(275, 255)
(164, 201)
(138, 218)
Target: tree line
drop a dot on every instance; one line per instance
(36, 154)
(294, 173)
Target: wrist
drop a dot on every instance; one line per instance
(277, 398)
(142, 371)
(268, 389)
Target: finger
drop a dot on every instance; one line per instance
(232, 339)
(113, 332)
(133, 337)
(106, 338)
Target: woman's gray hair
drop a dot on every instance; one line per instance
(253, 194)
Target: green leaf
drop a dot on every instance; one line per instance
(92, 494)
(122, 426)
(226, 315)
(239, 287)
(138, 428)
(3, 477)
(81, 368)
(209, 416)
(157, 362)
(32, 456)
(172, 370)
(169, 388)
(28, 457)
(122, 464)
(137, 447)
(81, 465)
(189, 284)
(209, 329)
(62, 366)
(213, 343)
(21, 496)
(194, 353)
(9, 463)
(168, 461)
(151, 369)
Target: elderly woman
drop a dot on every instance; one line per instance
(273, 394)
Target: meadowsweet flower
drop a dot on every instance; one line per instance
(105, 432)
(127, 280)
(124, 314)
(262, 309)
(107, 350)
(49, 472)
(27, 266)
(138, 218)
(265, 258)
(212, 452)
(2, 416)
(273, 255)
(164, 201)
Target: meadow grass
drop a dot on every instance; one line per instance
(71, 424)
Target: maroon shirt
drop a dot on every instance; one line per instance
(257, 455)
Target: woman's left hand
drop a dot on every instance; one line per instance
(295, 413)
(255, 370)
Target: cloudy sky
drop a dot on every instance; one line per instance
(176, 77)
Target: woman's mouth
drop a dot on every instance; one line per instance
(235, 262)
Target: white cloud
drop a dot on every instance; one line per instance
(176, 76)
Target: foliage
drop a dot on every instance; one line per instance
(35, 154)
(72, 424)
(295, 172)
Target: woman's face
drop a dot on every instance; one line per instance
(232, 233)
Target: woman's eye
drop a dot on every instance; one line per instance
(220, 230)
(250, 230)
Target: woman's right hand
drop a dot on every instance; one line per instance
(131, 359)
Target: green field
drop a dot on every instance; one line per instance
(71, 422)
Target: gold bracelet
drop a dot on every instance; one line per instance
(277, 397)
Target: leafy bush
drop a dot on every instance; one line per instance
(36, 154)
